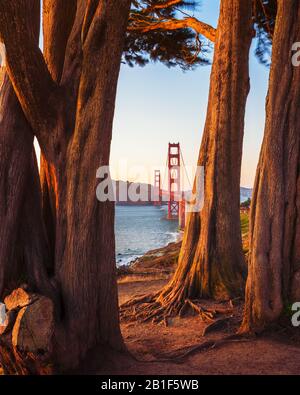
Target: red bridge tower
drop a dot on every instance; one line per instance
(157, 188)
(174, 181)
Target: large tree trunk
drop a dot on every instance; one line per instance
(21, 259)
(85, 246)
(68, 98)
(274, 263)
(211, 262)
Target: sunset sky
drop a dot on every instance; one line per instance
(157, 105)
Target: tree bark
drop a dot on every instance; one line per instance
(274, 263)
(211, 262)
(58, 20)
(68, 97)
(20, 260)
(85, 249)
(14, 164)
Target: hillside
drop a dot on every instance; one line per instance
(142, 194)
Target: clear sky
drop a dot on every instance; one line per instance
(156, 105)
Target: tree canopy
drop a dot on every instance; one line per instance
(167, 31)
(265, 12)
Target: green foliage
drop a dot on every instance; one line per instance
(181, 47)
(246, 203)
(172, 48)
(244, 224)
(265, 12)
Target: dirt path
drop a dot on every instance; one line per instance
(273, 353)
(147, 342)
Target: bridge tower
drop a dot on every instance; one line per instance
(174, 180)
(157, 188)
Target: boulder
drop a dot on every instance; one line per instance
(17, 299)
(27, 334)
(34, 327)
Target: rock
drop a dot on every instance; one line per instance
(17, 299)
(123, 270)
(34, 326)
(27, 334)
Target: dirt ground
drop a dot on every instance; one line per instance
(151, 345)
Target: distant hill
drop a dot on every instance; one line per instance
(147, 190)
(123, 188)
(246, 193)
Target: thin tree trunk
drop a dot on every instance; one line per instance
(15, 156)
(58, 19)
(211, 262)
(274, 263)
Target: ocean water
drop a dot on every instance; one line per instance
(140, 229)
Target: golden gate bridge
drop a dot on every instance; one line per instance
(175, 196)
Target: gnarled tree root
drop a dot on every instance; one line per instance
(150, 307)
(180, 355)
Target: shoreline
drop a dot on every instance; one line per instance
(160, 259)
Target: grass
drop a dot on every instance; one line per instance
(245, 231)
(244, 224)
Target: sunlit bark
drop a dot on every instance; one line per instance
(274, 262)
(68, 98)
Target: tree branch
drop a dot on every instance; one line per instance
(174, 24)
(58, 20)
(36, 91)
(88, 17)
(167, 4)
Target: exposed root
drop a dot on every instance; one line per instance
(157, 309)
(142, 308)
(180, 355)
(205, 314)
(139, 299)
(216, 325)
(148, 308)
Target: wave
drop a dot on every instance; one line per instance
(174, 236)
(127, 260)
